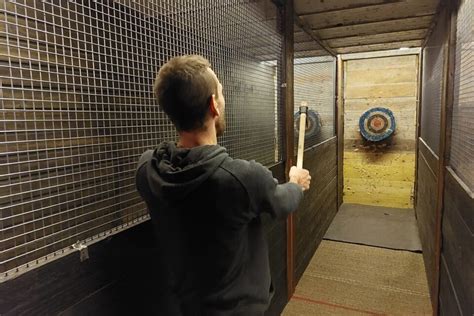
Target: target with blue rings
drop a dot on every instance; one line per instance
(377, 124)
(313, 124)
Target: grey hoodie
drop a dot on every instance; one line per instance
(206, 210)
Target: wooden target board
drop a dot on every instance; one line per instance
(313, 124)
(377, 124)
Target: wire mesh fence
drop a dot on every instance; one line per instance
(462, 136)
(432, 85)
(315, 88)
(77, 108)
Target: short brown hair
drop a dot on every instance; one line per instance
(184, 88)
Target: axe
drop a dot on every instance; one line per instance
(303, 115)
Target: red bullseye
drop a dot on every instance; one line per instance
(377, 123)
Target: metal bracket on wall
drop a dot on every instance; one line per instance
(83, 250)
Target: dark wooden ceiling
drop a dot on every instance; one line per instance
(351, 26)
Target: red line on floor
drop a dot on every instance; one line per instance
(334, 305)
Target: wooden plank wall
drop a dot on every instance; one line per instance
(456, 271)
(433, 84)
(122, 276)
(427, 176)
(319, 205)
(380, 174)
(277, 239)
(457, 256)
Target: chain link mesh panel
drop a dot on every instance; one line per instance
(462, 141)
(433, 57)
(77, 108)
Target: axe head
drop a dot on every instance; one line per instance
(304, 110)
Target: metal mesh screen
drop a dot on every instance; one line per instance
(433, 57)
(77, 108)
(462, 141)
(315, 86)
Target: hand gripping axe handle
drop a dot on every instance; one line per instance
(301, 135)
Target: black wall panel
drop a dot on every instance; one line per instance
(319, 205)
(456, 295)
(457, 255)
(426, 209)
(121, 277)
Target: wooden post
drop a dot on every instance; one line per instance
(419, 92)
(445, 139)
(288, 97)
(340, 130)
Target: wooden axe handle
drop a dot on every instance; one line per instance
(301, 135)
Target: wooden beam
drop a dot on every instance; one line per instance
(371, 28)
(433, 23)
(445, 136)
(376, 47)
(376, 13)
(418, 123)
(384, 53)
(310, 53)
(349, 6)
(340, 130)
(288, 96)
(306, 28)
(380, 38)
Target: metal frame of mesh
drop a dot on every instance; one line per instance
(77, 108)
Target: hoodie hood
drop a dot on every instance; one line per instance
(174, 172)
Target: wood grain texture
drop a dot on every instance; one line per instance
(457, 256)
(426, 217)
(309, 6)
(375, 13)
(375, 47)
(69, 281)
(380, 38)
(384, 179)
(119, 276)
(448, 302)
(319, 205)
(372, 28)
(380, 173)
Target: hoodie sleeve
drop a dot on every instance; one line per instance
(266, 195)
(277, 199)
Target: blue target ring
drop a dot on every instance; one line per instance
(377, 124)
(313, 124)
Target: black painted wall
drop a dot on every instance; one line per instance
(455, 258)
(319, 205)
(427, 178)
(457, 254)
(121, 277)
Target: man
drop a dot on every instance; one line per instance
(205, 205)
